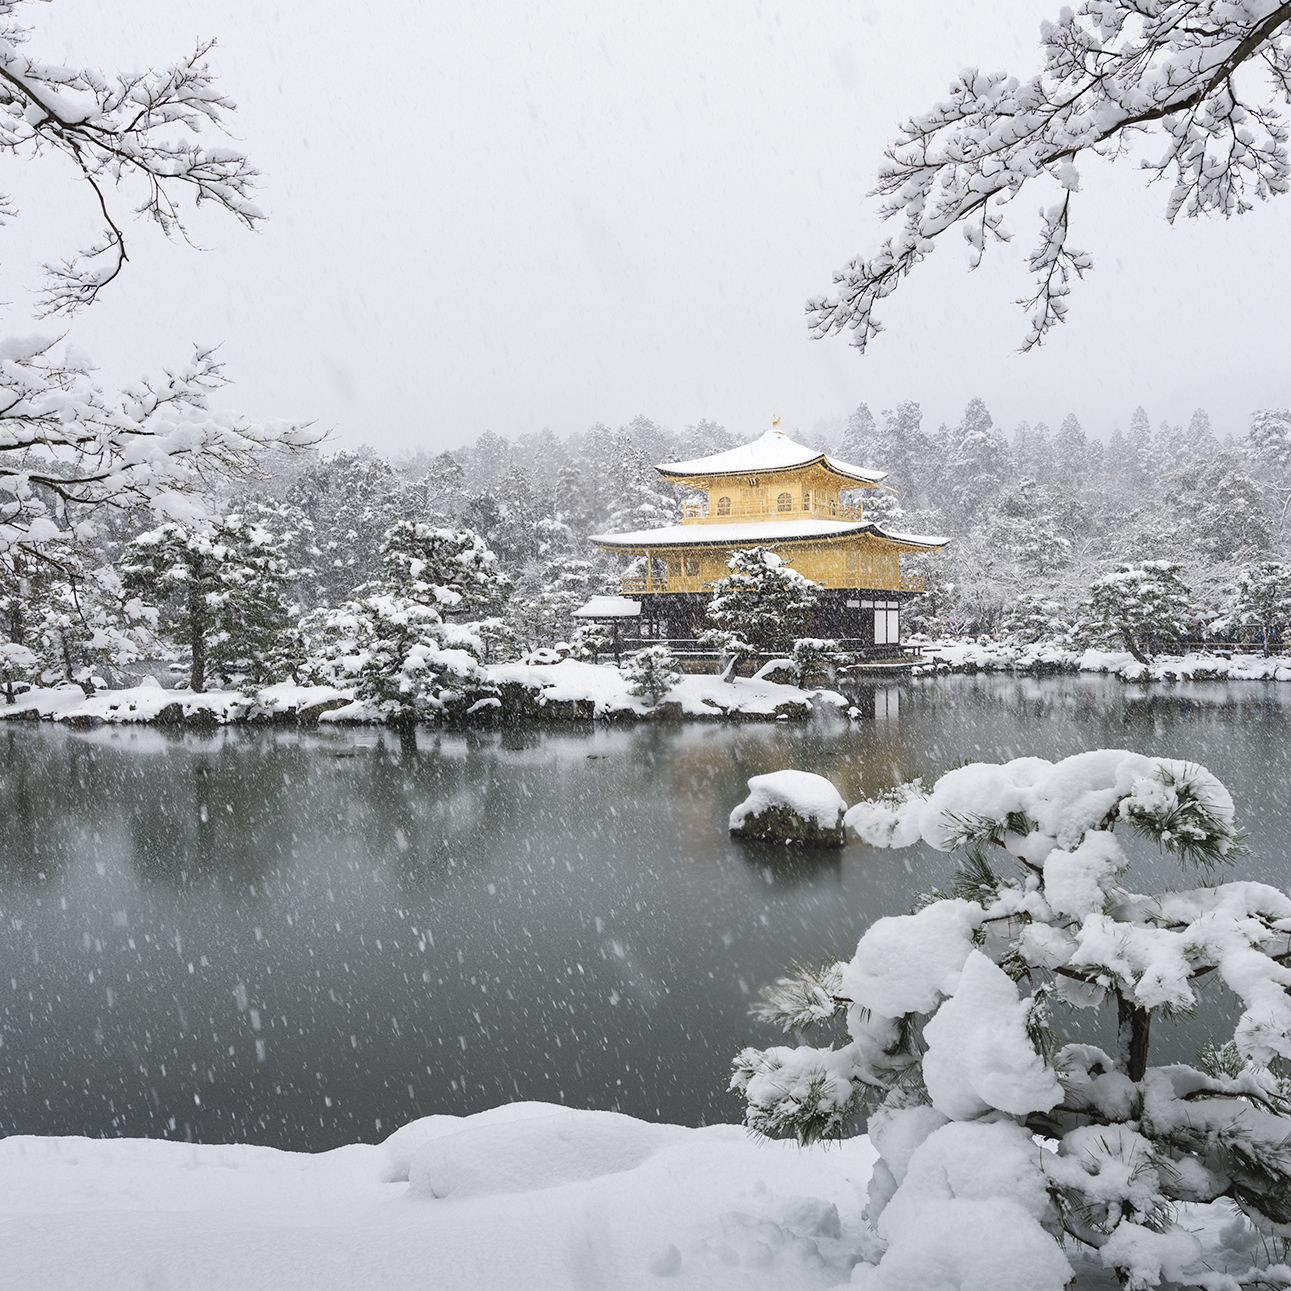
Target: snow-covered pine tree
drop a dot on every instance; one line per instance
(1261, 600)
(400, 663)
(81, 622)
(1032, 617)
(860, 442)
(1268, 445)
(451, 569)
(562, 586)
(218, 591)
(496, 636)
(978, 460)
(1012, 1148)
(652, 673)
(762, 606)
(905, 452)
(1228, 522)
(1138, 605)
(392, 644)
(642, 505)
(351, 499)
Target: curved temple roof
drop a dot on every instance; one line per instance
(774, 451)
(758, 534)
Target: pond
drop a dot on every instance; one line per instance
(303, 939)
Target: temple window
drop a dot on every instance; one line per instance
(806, 499)
(723, 506)
(784, 502)
(690, 566)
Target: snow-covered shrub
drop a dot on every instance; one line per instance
(497, 638)
(651, 673)
(590, 641)
(18, 668)
(1009, 1146)
(1138, 605)
(814, 660)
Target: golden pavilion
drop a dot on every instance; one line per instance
(774, 493)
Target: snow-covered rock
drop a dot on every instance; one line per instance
(791, 807)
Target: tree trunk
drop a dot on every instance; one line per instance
(196, 633)
(1133, 647)
(1132, 1023)
(406, 724)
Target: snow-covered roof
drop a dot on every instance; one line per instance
(609, 607)
(757, 533)
(774, 451)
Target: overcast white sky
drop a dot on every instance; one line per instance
(517, 215)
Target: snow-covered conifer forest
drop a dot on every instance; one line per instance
(513, 816)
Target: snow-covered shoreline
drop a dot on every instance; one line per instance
(571, 690)
(525, 1195)
(564, 691)
(1199, 665)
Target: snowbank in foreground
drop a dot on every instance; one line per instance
(998, 656)
(529, 1195)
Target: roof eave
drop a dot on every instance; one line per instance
(669, 471)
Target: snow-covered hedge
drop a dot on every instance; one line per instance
(1013, 1152)
(564, 690)
(1004, 656)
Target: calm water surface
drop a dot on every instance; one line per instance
(304, 939)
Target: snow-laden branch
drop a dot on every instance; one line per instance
(149, 128)
(1115, 72)
(68, 447)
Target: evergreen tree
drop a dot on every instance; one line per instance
(402, 665)
(1032, 617)
(762, 605)
(1071, 451)
(904, 450)
(217, 590)
(642, 506)
(351, 499)
(860, 444)
(1009, 1144)
(652, 673)
(978, 461)
(1139, 604)
(1261, 600)
(449, 569)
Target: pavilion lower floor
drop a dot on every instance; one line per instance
(866, 622)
